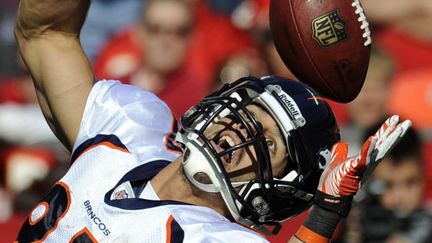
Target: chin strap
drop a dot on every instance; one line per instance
(319, 226)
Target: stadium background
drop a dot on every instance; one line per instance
(226, 39)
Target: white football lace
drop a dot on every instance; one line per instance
(365, 24)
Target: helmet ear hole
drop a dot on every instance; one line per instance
(186, 153)
(202, 178)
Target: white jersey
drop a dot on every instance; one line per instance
(126, 137)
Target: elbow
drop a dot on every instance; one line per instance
(21, 37)
(21, 33)
(36, 18)
(18, 31)
(24, 31)
(30, 22)
(19, 23)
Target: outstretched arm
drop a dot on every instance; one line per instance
(342, 178)
(47, 32)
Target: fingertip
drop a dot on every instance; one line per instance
(405, 126)
(408, 122)
(394, 120)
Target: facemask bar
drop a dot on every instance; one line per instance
(211, 116)
(208, 112)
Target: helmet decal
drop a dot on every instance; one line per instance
(324, 159)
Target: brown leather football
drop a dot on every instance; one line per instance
(325, 43)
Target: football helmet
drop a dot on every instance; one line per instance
(309, 129)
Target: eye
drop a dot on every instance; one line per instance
(270, 144)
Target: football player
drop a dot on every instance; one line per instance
(252, 152)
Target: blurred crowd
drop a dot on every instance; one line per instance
(184, 49)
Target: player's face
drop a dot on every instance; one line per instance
(241, 164)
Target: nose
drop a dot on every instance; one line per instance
(239, 127)
(241, 130)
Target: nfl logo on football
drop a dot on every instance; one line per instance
(329, 29)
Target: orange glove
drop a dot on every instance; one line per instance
(341, 179)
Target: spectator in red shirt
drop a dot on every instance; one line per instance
(215, 38)
(165, 36)
(162, 40)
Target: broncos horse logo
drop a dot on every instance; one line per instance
(324, 159)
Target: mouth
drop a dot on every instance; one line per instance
(224, 141)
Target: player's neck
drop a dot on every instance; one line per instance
(171, 184)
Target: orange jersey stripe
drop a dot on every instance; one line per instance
(86, 232)
(41, 217)
(168, 229)
(171, 134)
(66, 187)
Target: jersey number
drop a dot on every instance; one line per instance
(45, 217)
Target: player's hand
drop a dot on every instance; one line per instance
(341, 179)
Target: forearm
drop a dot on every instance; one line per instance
(37, 17)
(318, 226)
(47, 32)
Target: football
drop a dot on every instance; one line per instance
(325, 43)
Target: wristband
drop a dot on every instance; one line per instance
(306, 235)
(322, 221)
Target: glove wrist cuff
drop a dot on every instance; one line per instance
(339, 205)
(322, 222)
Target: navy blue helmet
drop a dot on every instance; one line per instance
(307, 124)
